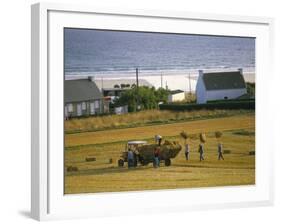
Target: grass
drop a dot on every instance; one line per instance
(238, 168)
(143, 118)
(116, 135)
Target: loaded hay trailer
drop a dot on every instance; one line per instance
(144, 153)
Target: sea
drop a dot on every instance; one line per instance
(116, 54)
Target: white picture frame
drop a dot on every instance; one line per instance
(48, 200)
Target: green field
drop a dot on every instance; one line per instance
(103, 175)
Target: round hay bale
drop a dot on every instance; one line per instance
(218, 134)
(72, 169)
(226, 151)
(90, 159)
(202, 137)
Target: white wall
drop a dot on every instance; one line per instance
(15, 126)
(200, 90)
(220, 94)
(176, 97)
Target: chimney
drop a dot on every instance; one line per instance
(200, 72)
(91, 78)
(240, 70)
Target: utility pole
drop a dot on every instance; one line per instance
(137, 77)
(189, 84)
(101, 82)
(137, 80)
(161, 80)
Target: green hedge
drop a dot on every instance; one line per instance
(248, 105)
(230, 100)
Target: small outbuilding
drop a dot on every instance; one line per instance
(176, 96)
(220, 85)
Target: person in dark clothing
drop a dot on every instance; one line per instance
(220, 152)
(201, 151)
(187, 150)
(156, 157)
(130, 158)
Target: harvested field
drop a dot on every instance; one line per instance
(238, 168)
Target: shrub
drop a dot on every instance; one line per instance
(233, 105)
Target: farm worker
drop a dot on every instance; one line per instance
(158, 139)
(130, 158)
(220, 151)
(156, 157)
(201, 151)
(187, 150)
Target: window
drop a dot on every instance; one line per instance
(70, 107)
(84, 106)
(97, 104)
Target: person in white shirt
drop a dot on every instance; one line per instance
(158, 139)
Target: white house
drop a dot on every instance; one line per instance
(176, 95)
(220, 85)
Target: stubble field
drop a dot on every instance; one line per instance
(103, 175)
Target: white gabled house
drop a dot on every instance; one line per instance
(220, 85)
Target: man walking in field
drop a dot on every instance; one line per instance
(187, 150)
(220, 152)
(201, 151)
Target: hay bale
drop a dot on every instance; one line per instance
(110, 161)
(252, 153)
(166, 142)
(184, 135)
(218, 134)
(202, 137)
(90, 159)
(72, 169)
(226, 151)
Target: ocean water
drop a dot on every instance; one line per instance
(115, 53)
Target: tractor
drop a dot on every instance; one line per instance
(144, 153)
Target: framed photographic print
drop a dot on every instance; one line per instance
(159, 111)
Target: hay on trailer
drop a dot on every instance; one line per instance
(202, 137)
(168, 149)
(218, 134)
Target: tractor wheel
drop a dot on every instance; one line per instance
(120, 162)
(167, 162)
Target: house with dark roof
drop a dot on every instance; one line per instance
(176, 96)
(82, 97)
(220, 85)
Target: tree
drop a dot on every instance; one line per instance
(250, 89)
(146, 97)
